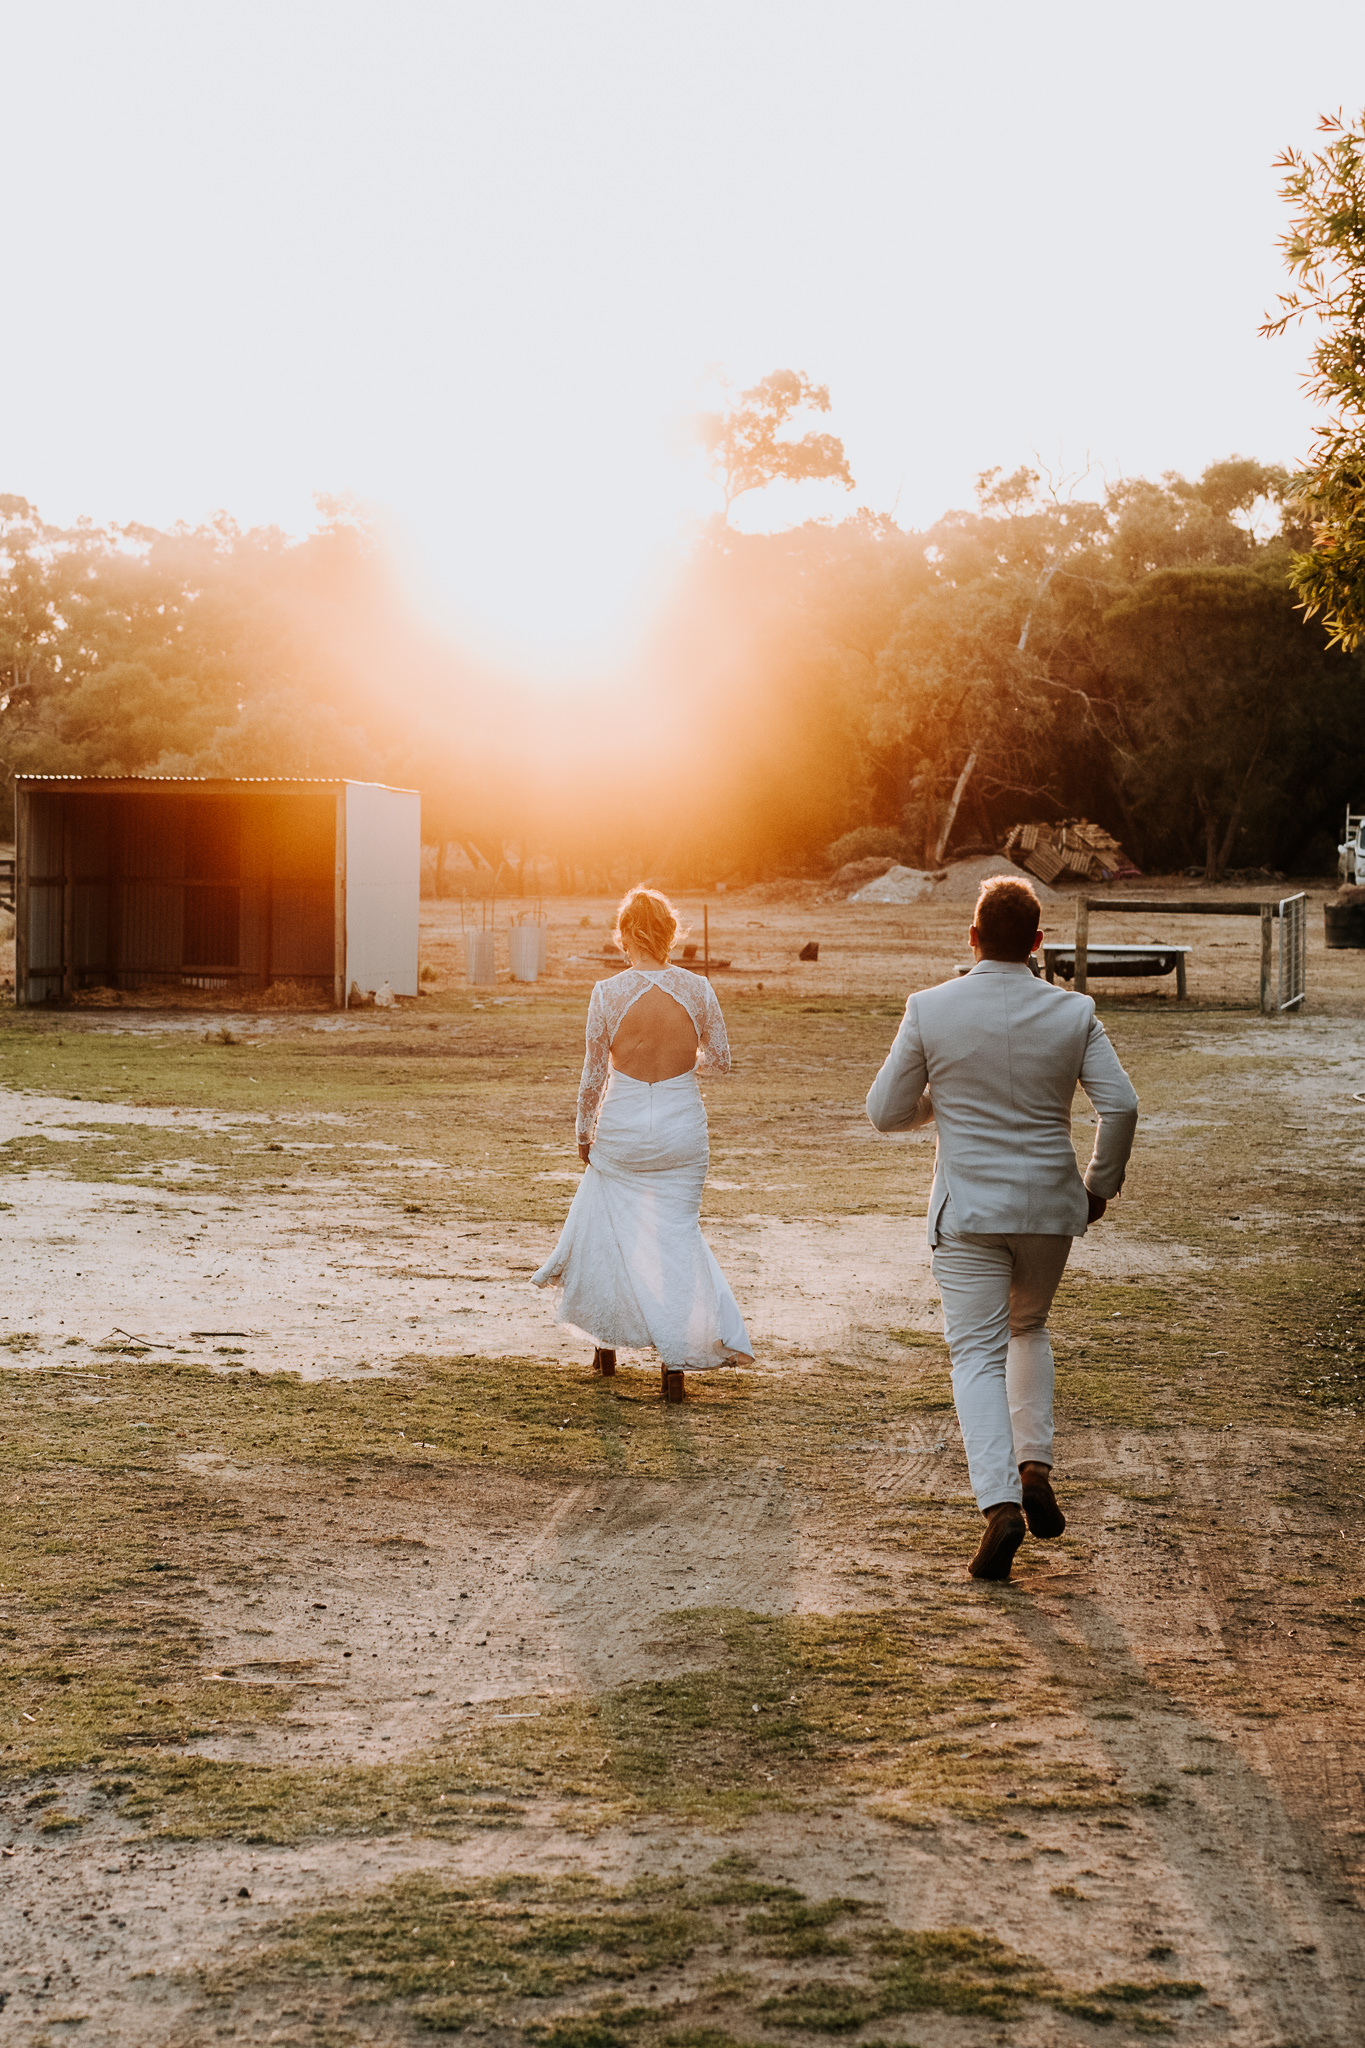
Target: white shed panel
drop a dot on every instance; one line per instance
(383, 887)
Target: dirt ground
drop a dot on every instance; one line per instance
(371, 1671)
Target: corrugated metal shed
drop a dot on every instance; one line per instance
(142, 882)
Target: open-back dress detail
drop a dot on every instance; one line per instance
(631, 1263)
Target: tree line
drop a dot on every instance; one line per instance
(1140, 658)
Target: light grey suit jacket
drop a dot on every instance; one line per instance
(994, 1059)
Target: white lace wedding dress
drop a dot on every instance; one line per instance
(632, 1264)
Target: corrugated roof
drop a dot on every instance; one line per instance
(313, 781)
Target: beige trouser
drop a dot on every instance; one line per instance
(996, 1292)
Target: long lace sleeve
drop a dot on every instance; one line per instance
(713, 1047)
(596, 1067)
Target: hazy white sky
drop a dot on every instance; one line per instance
(474, 262)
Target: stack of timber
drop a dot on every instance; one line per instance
(1075, 847)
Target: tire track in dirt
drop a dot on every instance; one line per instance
(1251, 1876)
(1223, 1873)
(1246, 1804)
(481, 1588)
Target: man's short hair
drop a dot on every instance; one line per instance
(1008, 917)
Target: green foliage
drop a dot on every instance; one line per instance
(127, 651)
(1229, 702)
(1325, 255)
(1206, 524)
(866, 842)
(748, 447)
(1008, 663)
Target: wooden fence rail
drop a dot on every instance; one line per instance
(1218, 906)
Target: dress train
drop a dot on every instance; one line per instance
(631, 1263)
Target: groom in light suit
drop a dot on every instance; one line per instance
(993, 1059)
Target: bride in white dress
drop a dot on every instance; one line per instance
(631, 1261)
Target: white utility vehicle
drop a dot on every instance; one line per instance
(1351, 853)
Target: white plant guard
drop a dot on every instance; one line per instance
(523, 946)
(480, 968)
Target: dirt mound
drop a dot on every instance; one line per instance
(855, 873)
(964, 878)
(958, 883)
(899, 885)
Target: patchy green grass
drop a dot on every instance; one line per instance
(514, 1072)
(664, 1963)
(1329, 1369)
(367, 1111)
(133, 1414)
(102, 1651)
(770, 1712)
(105, 1538)
(105, 1542)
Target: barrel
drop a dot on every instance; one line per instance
(1345, 926)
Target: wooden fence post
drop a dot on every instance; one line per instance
(1082, 942)
(1267, 993)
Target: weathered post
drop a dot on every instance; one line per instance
(1082, 942)
(1267, 992)
(21, 894)
(68, 904)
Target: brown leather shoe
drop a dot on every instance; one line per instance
(1041, 1511)
(1004, 1533)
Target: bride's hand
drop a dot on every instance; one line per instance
(583, 1152)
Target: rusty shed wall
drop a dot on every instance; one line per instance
(126, 890)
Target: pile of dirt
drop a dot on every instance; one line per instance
(965, 877)
(899, 885)
(854, 874)
(959, 882)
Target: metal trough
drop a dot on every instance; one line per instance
(1124, 962)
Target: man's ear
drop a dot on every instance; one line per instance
(1037, 942)
(973, 937)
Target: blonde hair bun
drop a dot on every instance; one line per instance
(648, 919)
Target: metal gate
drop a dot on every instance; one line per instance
(1293, 951)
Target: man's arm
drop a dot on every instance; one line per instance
(899, 1098)
(1114, 1100)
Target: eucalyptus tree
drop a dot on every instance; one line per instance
(1237, 716)
(1325, 255)
(749, 446)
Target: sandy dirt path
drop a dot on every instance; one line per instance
(1234, 1874)
(1190, 1652)
(331, 1281)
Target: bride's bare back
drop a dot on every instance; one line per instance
(657, 1040)
(653, 1023)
